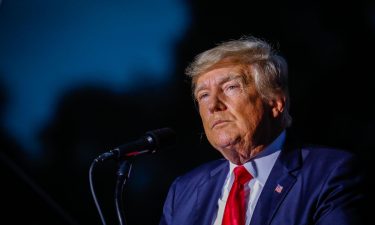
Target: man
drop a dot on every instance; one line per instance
(241, 91)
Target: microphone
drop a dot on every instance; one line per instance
(151, 142)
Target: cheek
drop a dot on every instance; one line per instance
(249, 116)
(204, 117)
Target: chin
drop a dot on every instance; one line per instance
(226, 140)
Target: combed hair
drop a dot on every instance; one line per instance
(268, 70)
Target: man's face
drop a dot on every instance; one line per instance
(235, 118)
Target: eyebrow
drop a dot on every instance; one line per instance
(229, 77)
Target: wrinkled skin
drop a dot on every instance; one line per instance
(237, 121)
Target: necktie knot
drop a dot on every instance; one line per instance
(241, 175)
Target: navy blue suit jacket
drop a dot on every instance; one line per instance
(320, 186)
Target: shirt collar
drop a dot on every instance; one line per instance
(261, 165)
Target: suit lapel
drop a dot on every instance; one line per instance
(209, 193)
(281, 179)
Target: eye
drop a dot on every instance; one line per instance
(202, 96)
(231, 87)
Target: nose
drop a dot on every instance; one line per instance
(216, 104)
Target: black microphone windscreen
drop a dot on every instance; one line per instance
(163, 137)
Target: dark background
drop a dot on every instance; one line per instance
(329, 47)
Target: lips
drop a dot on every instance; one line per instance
(218, 122)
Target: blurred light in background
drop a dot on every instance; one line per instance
(48, 48)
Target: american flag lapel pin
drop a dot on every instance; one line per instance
(279, 188)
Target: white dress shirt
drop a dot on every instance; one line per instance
(260, 168)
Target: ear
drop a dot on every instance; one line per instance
(277, 105)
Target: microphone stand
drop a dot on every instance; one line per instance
(122, 176)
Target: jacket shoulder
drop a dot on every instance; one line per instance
(201, 173)
(326, 154)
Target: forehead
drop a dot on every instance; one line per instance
(219, 76)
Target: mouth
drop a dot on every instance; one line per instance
(218, 123)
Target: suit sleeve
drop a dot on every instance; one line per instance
(167, 216)
(341, 201)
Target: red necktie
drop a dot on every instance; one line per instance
(235, 208)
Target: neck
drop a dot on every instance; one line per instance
(259, 147)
